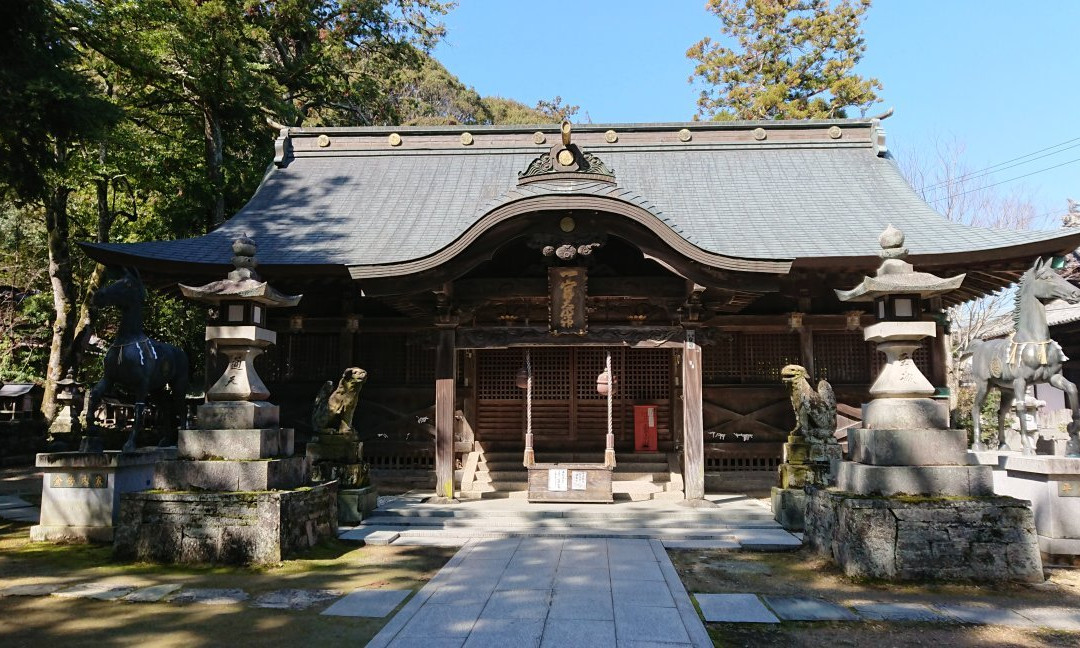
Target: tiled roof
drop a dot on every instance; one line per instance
(797, 193)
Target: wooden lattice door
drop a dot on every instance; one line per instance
(568, 412)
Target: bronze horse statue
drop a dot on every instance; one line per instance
(1027, 357)
(140, 365)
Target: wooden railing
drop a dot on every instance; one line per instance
(743, 456)
(397, 455)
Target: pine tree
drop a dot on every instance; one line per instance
(789, 59)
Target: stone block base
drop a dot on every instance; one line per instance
(67, 534)
(231, 476)
(352, 475)
(789, 507)
(899, 538)
(355, 504)
(922, 480)
(905, 414)
(235, 444)
(237, 415)
(336, 448)
(801, 475)
(224, 528)
(924, 447)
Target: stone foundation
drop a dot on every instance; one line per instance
(254, 528)
(901, 538)
(931, 481)
(232, 475)
(789, 507)
(355, 504)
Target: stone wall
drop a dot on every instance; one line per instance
(902, 538)
(308, 516)
(227, 528)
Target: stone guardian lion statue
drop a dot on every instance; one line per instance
(815, 411)
(333, 410)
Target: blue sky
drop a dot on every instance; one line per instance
(1001, 77)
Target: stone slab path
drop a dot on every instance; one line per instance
(754, 608)
(526, 592)
(13, 507)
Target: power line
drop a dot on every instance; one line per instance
(1049, 168)
(979, 172)
(992, 170)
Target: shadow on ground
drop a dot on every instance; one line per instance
(803, 573)
(55, 622)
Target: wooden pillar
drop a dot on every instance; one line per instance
(693, 426)
(444, 414)
(806, 347)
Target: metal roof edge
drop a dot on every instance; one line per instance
(784, 124)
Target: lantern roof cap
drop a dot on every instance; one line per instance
(895, 276)
(243, 283)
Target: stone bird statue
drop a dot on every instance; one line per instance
(815, 411)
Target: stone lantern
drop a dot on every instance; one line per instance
(68, 398)
(237, 492)
(238, 330)
(908, 504)
(901, 394)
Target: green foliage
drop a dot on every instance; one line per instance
(508, 111)
(431, 95)
(155, 119)
(787, 59)
(988, 415)
(45, 99)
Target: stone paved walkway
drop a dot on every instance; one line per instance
(13, 507)
(551, 592)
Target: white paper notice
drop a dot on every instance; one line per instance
(577, 480)
(556, 479)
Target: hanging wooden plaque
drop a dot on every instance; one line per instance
(567, 309)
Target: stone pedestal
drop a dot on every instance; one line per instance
(255, 528)
(338, 457)
(80, 491)
(980, 539)
(1052, 485)
(805, 464)
(356, 504)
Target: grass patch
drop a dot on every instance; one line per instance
(332, 565)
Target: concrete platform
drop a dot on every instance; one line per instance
(734, 522)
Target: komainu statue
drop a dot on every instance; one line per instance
(333, 410)
(815, 411)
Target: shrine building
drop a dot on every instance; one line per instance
(455, 263)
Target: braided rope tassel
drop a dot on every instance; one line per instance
(530, 456)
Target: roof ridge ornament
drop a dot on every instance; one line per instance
(566, 160)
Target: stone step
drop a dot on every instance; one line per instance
(638, 463)
(514, 522)
(489, 476)
(745, 539)
(578, 457)
(730, 520)
(506, 486)
(752, 511)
